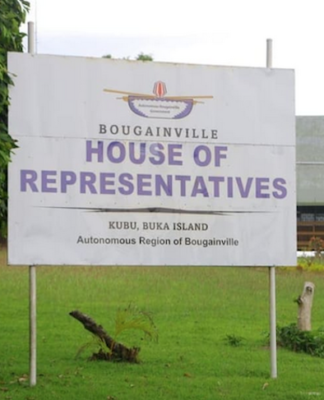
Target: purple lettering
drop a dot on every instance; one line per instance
(229, 187)
(105, 181)
(278, 184)
(183, 179)
(125, 180)
(47, 180)
(261, 184)
(142, 152)
(216, 181)
(116, 147)
(87, 180)
(199, 187)
(67, 178)
(219, 154)
(94, 150)
(244, 190)
(204, 159)
(166, 186)
(173, 153)
(158, 156)
(141, 184)
(28, 177)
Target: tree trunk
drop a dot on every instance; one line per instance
(119, 352)
(305, 302)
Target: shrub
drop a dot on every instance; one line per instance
(296, 340)
(316, 244)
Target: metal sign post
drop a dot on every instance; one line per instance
(32, 325)
(32, 270)
(273, 333)
(272, 277)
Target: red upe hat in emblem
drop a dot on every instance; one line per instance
(159, 89)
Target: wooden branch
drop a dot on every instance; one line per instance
(305, 302)
(119, 352)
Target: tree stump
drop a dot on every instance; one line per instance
(305, 302)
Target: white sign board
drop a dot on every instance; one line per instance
(132, 163)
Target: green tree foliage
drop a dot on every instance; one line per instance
(144, 57)
(139, 57)
(12, 15)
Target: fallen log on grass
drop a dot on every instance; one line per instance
(117, 351)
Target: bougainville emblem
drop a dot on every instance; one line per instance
(158, 105)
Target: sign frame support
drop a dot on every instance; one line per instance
(272, 277)
(33, 285)
(32, 272)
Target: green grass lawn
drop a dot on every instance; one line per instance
(194, 308)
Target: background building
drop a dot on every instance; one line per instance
(310, 179)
